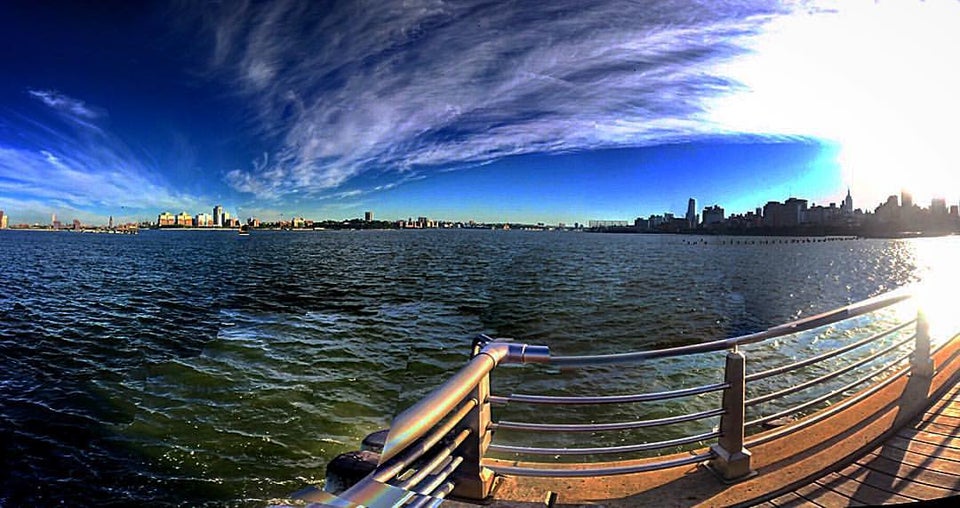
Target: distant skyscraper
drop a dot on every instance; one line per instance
(848, 203)
(218, 216)
(368, 216)
(906, 199)
(692, 213)
(110, 224)
(3, 220)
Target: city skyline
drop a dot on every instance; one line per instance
(522, 113)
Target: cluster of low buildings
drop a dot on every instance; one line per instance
(219, 219)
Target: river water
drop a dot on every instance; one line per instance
(203, 368)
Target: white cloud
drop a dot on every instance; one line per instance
(69, 108)
(349, 87)
(86, 170)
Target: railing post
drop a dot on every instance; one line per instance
(732, 462)
(920, 362)
(472, 480)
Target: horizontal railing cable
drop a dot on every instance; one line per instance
(584, 471)
(611, 399)
(825, 413)
(830, 354)
(602, 427)
(429, 485)
(433, 464)
(641, 447)
(436, 499)
(826, 377)
(396, 465)
(827, 396)
(830, 317)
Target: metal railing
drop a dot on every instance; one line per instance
(437, 447)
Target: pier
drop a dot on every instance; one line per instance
(874, 421)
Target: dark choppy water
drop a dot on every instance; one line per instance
(185, 368)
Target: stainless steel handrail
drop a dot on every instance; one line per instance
(599, 450)
(826, 413)
(826, 318)
(613, 399)
(827, 396)
(602, 427)
(829, 354)
(436, 462)
(581, 472)
(391, 468)
(826, 377)
(422, 416)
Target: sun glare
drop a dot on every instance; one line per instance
(878, 79)
(938, 274)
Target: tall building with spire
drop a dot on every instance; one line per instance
(848, 203)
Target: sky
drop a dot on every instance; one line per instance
(561, 111)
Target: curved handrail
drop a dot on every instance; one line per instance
(809, 323)
(417, 420)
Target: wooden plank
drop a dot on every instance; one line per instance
(924, 448)
(860, 493)
(942, 417)
(790, 500)
(911, 473)
(823, 496)
(934, 439)
(919, 460)
(890, 483)
(938, 428)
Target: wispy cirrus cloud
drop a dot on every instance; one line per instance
(348, 87)
(69, 108)
(78, 165)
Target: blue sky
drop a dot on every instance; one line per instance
(519, 111)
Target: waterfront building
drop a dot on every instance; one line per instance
(184, 220)
(203, 220)
(823, 214)
(791, 212)
(596, 224)
(218, 216)
(691, 213)
(713, 215)
(166, 219)
(77, 226)
(3, 220)
(368, 216)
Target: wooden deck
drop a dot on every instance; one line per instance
(920, 462)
